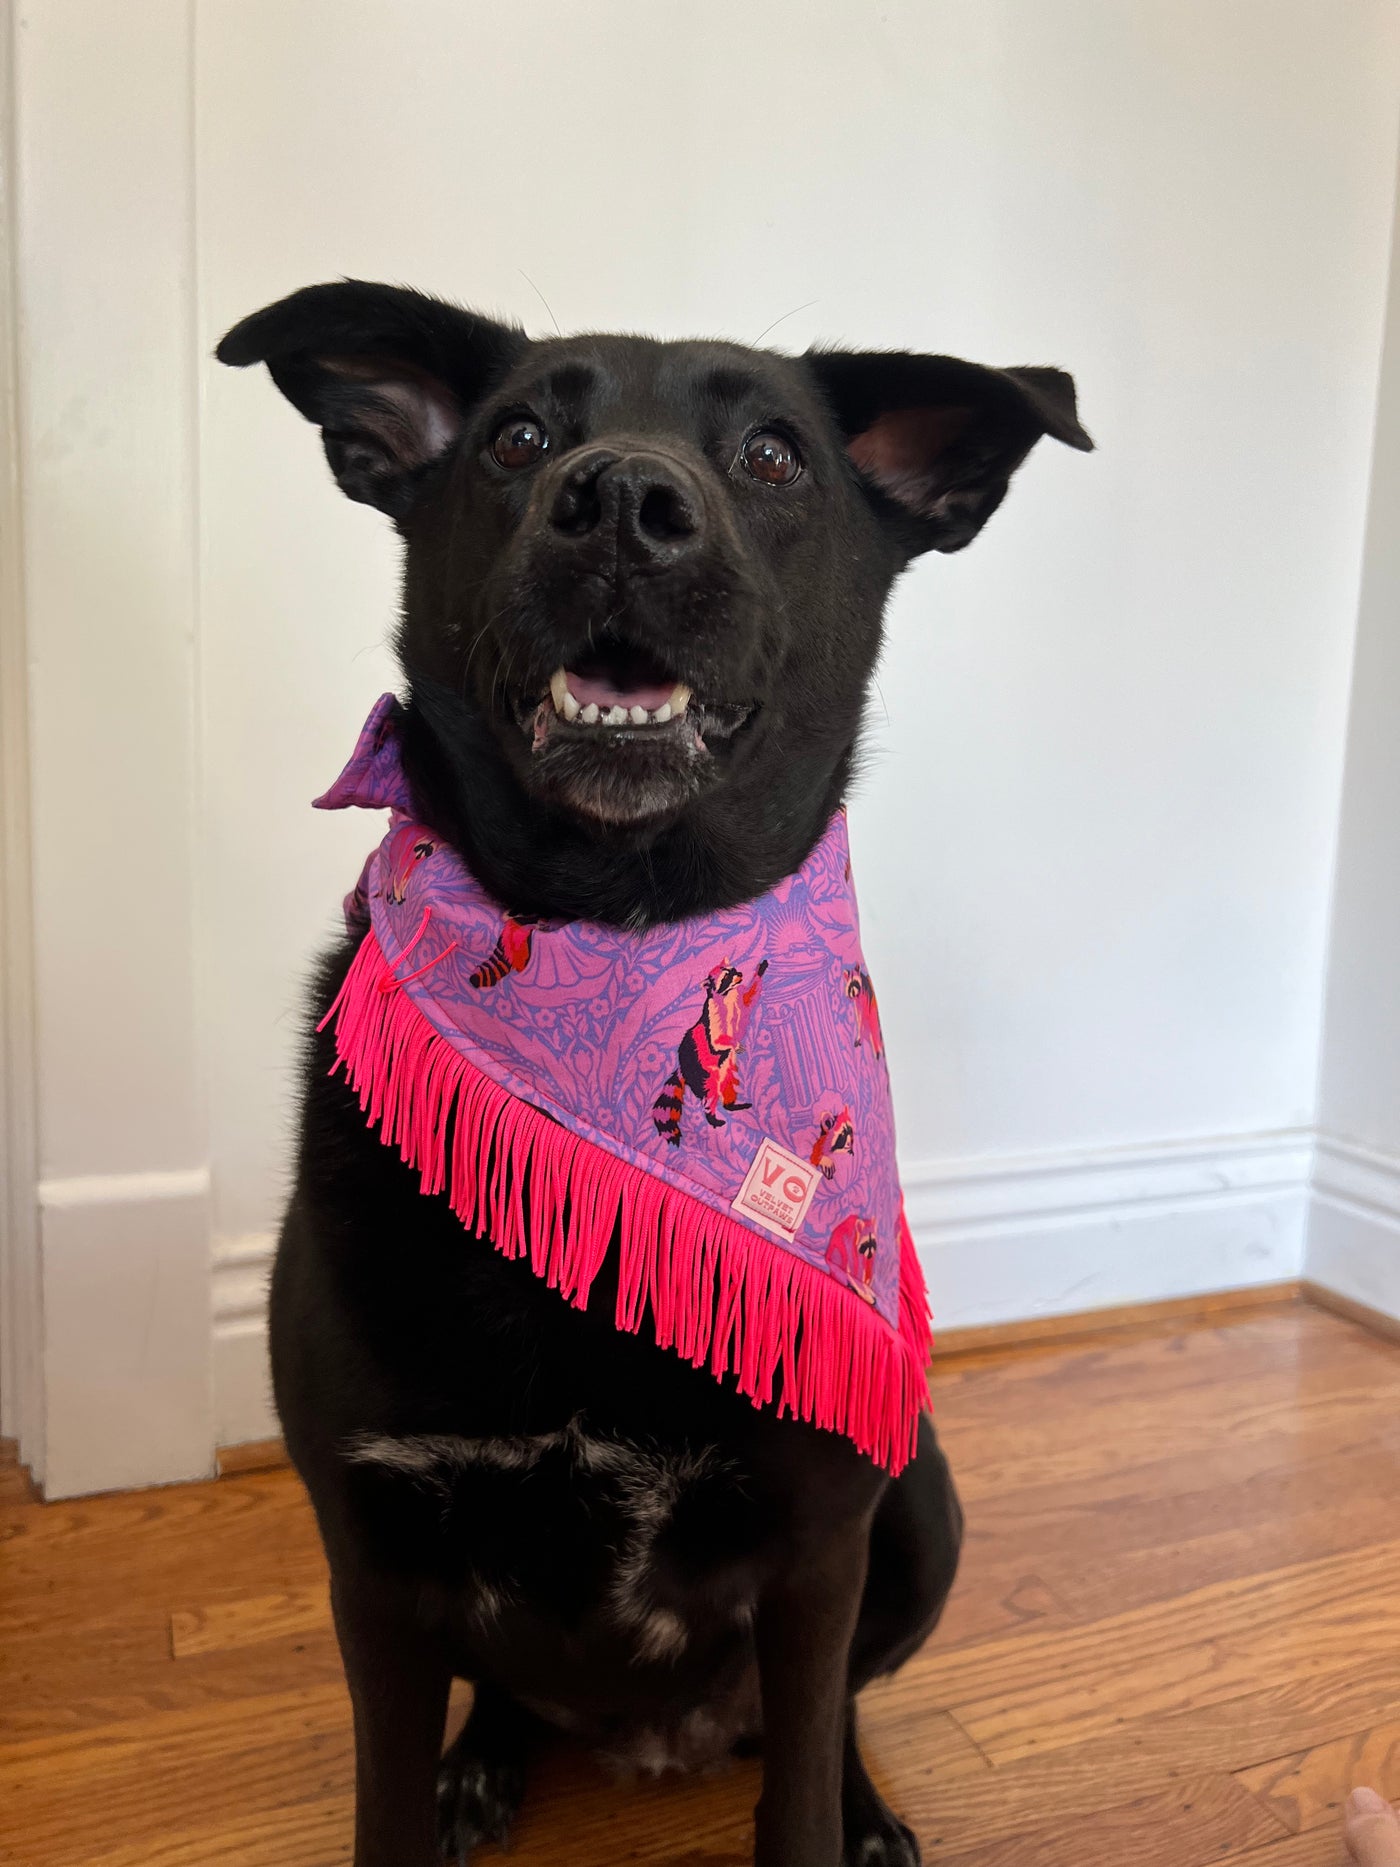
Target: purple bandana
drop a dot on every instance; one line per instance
(718, 1097)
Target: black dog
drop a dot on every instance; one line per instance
(600, 1537)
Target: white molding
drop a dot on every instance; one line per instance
(242, 1267)
(126, 1331)
(1000, 1238)
(1008, 1239)
(947, 1197)
(1003, 1239)
(1354, 1223)
(122, 1189)
(243, 1408)
(1358, 1178)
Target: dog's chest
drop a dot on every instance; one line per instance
(599, 1537)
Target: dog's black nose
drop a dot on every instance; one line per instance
(647, 501)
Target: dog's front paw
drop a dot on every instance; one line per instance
(880, 1840)
(477, 1798)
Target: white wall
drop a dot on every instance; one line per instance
(1095, 845)
(1354, 1234)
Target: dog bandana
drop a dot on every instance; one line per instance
(711, 1093)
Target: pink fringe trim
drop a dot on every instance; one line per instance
(720, 1295)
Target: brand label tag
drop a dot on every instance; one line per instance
(777, 1190)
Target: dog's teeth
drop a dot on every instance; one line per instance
(616, 715)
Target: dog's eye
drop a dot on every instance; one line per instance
(771, 457)
(519, 442)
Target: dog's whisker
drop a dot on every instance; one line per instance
(543, 300)
(783, 319)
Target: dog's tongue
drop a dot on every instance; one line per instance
(598, 690)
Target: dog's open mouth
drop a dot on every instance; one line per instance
(588, 699)
(616, 736)
(621, 696)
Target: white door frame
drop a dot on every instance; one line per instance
(106, 1343)
(21, 1389)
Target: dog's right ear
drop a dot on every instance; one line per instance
(936, 439)
(386, 374)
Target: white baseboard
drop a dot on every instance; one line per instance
(1005, 1240)
(243, 1408)
(125, 1330)
(128, 1299)
(1354, 1224)
(1000, 1240)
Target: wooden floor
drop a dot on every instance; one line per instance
(1176, 1639)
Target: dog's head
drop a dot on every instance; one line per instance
(646, 579)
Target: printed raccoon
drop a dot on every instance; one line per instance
(836, 1135)
(511, 952)
(862, 993)
(852, 1249)
(708, 1057)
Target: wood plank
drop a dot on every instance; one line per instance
(16, 1484)
(1076, 1325)
(140, 1544)
(253, 1455)
(985, 1603)
(1023, 1436)
(1195, 1820)
(67, 1795)
(962, 1805)
(74, 1691)
(313, 1833)
(1168, 1358)
(1252, 1362)
(1033, 1446)
(1307, 1790)
(1161, 1540)
(250, 1619)
(1198, 1649)
(1319, 1848)
(1375, 1321)
(1352, 1591)
(1095, 1545)
(1193, 1367)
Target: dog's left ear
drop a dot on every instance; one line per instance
(386, 374)
(936, 440)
